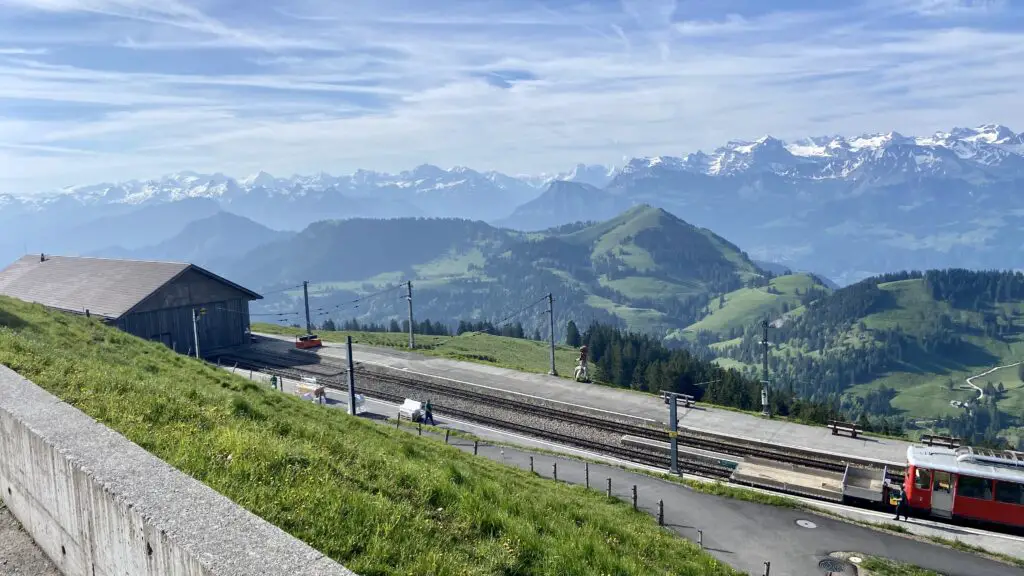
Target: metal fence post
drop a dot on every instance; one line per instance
(476, 445)
(586, 471)
(634, 496)
(700, 538)
(446, 432)
(398, 420)
(609, 487)
(554, 470)
(661, 512)
(419, 429)
(531, 464)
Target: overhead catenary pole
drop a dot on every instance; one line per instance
(351, 377)
(305, 297)
(551, 324)
(412, 339)
(764, 370)
(673, 424)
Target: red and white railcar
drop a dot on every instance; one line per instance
(966, 482)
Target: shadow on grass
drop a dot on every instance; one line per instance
(12, 321)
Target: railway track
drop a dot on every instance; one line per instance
(335, 373)
(335, 380)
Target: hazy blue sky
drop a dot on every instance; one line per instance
(94, 90)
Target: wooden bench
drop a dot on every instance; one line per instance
(837, 425)
(684, 400)
(945, 441)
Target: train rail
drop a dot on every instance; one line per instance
(332, 380)
(334, 374)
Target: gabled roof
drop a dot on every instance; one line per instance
(108, 288)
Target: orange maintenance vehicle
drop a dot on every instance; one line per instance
(308, 341)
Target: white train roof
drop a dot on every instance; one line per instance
(1004, 465)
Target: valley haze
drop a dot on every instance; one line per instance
(842, 207)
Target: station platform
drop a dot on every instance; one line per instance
(701, 418)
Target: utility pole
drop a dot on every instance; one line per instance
(351, 377)
(551, 323)
(412, 339)
(764, 371)
(305, 297)
(196, 313)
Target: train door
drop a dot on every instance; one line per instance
(942, 494)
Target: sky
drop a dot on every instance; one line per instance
(110, 90)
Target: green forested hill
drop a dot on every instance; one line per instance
(903, 345)
(644, 269)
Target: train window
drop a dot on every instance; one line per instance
(922, 479)
(942, 482)
(973, 487)
(1010, 492)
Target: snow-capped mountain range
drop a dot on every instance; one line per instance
(988, 151)
(845, 206)
(984, 153)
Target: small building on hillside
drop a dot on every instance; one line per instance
(151, 300)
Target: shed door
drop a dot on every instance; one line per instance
(164, 339)
(942, 494)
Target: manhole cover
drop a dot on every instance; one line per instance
(832, 566)
(806, 524)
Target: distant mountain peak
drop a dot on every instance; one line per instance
(260, 178)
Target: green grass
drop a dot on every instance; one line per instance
(921, 382)
(512, 353)
(744, 307)
(885, 567)
(922, 388)
(374, 498)
(972, 549)
(638, 319)
(645, 287)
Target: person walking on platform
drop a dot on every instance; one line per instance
(428, 413)
(901, 506)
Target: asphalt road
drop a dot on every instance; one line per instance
(742, 534)
(19, 555)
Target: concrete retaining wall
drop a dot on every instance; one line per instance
(99, 505)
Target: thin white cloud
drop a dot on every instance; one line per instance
(945, 8)
(390, 88)
(9, 51)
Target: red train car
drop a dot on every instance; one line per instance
(966, 482)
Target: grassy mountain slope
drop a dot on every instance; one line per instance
(378, 500)
(738, 309)
(644, 268)
(904, 344)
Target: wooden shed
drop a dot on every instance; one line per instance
(151, 300)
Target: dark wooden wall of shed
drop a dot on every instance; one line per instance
(166, 315)
(223, 325)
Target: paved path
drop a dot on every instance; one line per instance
(743, 534)
(636, 404)
(19, 555)
(970, 381)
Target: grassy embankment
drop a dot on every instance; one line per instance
(376, 499)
